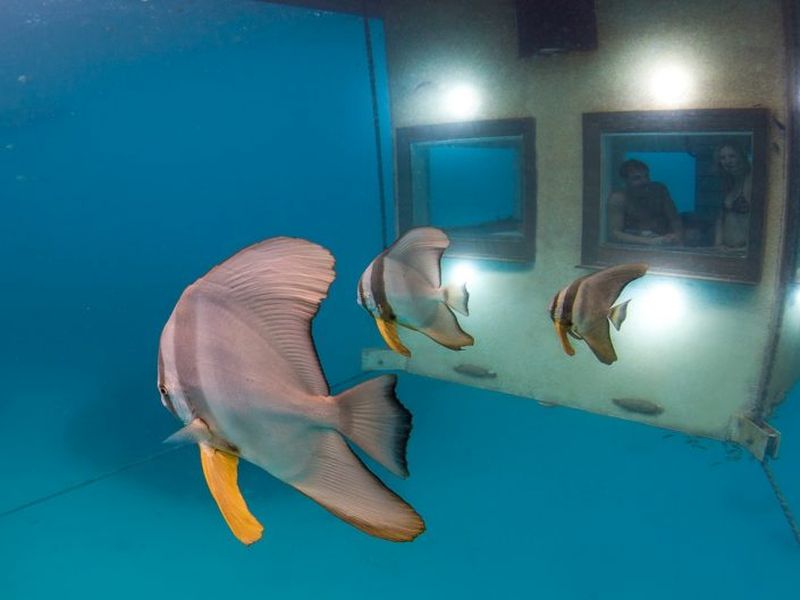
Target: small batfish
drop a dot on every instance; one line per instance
(237, 365)
(639, 405)
(403, 286)
(474, 371)
(584, 308)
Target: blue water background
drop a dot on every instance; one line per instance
(143, 142)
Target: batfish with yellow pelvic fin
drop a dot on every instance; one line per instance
(403, 287)
(237, 365)
(584, 308)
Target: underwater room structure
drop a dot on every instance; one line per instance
(618, 185)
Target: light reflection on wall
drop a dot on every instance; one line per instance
(461, 271)
(454, 100)
(461, 101)
(671, 84)
(658, 306)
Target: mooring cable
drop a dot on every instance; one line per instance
(87, 482)
(787, 511)
(341, 385)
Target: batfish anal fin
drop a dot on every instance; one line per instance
(421, 249)
(618, 313)
(561, 331)
(445, 330)
(196, 431)
(598, 338)
(335, 478)
(221, 470)
(388, 331)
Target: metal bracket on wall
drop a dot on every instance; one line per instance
(760, 438)
(379, 359)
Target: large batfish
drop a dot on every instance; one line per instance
(403, 286)
(237, 365)
(584, 308)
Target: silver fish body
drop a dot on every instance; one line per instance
(238, 366)
(402, 286)
(584, 308)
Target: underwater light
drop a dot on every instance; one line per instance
(462, 272)
(795, 297)
(661, 305)
(461, 100)
(671, 84)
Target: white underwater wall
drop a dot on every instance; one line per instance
(703, 360)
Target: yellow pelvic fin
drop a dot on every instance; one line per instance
(562, 335)
(388, 330)
(220, 469)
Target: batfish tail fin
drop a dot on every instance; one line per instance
(618, 313)
(457, 297)
(341, 483)
(371, 416)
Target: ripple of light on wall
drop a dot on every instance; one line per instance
(461, 101)
(671, 84)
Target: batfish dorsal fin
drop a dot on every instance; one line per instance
(605, 286)
(599, 291)
(421, 249)
(280, 282)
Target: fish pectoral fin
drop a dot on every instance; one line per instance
(388, 331)
(196, 431)
(598, 338)
(221, 469)
(562, 330)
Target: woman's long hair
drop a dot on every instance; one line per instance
(729, 180)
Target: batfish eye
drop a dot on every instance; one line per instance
(163, 389)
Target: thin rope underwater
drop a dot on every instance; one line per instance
(341, 385)
(787, 511)
(87, 482)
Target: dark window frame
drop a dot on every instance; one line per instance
(596, 253)
(474, 246)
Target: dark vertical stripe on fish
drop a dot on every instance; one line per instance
(569, 299)
(162, 386)
(361, 295)
(379, 289)
(187, 370)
